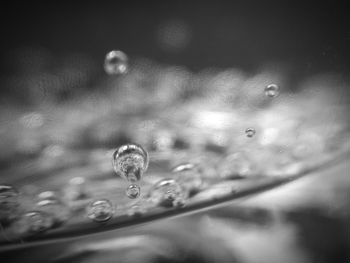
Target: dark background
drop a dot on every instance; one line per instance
(311, 36)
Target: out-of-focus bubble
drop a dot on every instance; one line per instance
(32, 120)
(33, 222)
(8, 203)
(75, 189)
(100, 210)
(47, 195)
(272, 90)
(116, 62)
(174, 35)
(189, 176)
(167, 193)
(136, 210)
(53, 151)
(235, 165)
(250, 132)
(163, 140)
(55, 208)
(133, 191)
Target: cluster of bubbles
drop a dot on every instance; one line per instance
(130, 162)
(48, 211)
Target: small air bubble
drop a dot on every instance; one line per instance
(116, 62)
(272, 90)
(250, 132)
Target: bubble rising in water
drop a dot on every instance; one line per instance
(100, 210)
(116, 62)
(272, 90)
(133, 191)
(167, 193)
(130, 161)
(250, 132)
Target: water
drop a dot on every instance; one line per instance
(189, 176)
(8, 203)
(167, 193)
(133, 191)
(100, 210)
(250, 132)
(136, 210)
(116, 62)
(130, 161)
(75, 189)
(272, 90)
(55, 208)
(33, 222)
(47, 195)
(236, 165)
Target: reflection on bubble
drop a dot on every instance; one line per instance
(100, 210)
(167, 193)
(130, 161)
(250, 132)
(133, 191)
(272, 90)
(116, 62)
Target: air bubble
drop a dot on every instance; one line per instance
(189, 176)
(272, 90)
(8, 203)
(130, 161)
(75, 189)
(55, 208)
(100, 210)
(136, 211)
(116, 62)
(33, 222)
(133, 191)
(168, 193)
(235, 166)
(250, 132)
(47, 195)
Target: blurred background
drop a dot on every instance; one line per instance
(196, 77)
